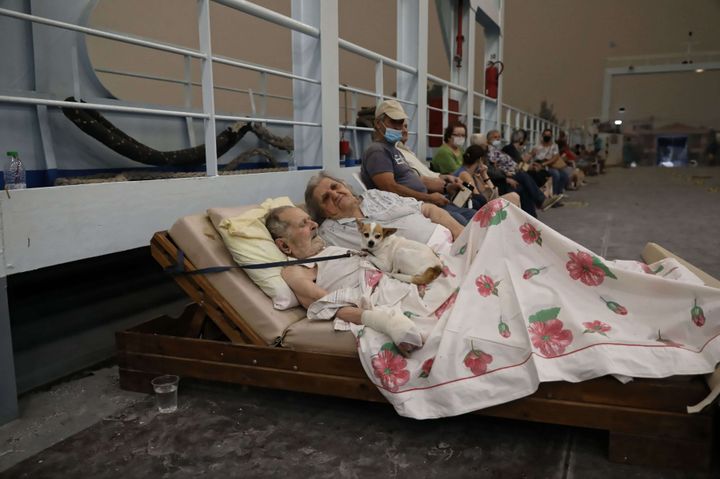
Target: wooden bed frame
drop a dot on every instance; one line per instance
(645, 418)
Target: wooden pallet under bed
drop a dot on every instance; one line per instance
(645, 419)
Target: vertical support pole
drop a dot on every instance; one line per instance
(469, 65)
(208, 96)
(483, 120)
(8, 388)
(494, 52)
(187, 87)
(307, 104)
(445, 105)
(330, 86)
(412, 43)
(263, 93)
(379, 82)
(607, 92)
(508, 124)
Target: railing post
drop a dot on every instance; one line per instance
(412, 50)
(330, 85)
(211, 167)
(379, 82)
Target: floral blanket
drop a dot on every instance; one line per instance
(520, 304)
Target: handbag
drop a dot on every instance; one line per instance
(558, 164)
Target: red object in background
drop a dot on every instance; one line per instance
(492, 78)
(435, 120)
(344, 147)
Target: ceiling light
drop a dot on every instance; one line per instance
(618, 122)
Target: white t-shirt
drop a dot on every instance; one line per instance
(543, 152)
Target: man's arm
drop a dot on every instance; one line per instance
(441, 217)
(386, 181)
(302, 282)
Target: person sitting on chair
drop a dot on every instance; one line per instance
(384, 167)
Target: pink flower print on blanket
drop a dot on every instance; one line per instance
(389, 366)
(588, 269)
(596, 327)
(615, 307)
(547, 333)
(646, 268)
(477, 361)
(491, 214)
(697, 315)
(530, 272)
(372, 277)
(530, 234)
(447, 304)
(486, 285)
(504, 329)
(426, 367)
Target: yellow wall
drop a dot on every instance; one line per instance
(554, 50)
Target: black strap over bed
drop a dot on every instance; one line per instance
(177, 268)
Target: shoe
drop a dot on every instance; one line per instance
(558, 204)
(549, 202)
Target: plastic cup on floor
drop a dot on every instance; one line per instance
(166, 388)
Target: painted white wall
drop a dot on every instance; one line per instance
(48, 226)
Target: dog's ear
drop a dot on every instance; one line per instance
(359, 224)
(388, 231)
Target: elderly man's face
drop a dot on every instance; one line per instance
(300, 239)
(495, 135)
(335, 199)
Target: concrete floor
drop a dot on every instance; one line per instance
(88, 427)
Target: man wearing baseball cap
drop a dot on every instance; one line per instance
(384, 167)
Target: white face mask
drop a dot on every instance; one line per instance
(458, 140)
(496, 143)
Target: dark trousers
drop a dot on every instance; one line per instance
(530, 195)
(461, 215)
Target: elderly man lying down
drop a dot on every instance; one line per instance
(518, 304)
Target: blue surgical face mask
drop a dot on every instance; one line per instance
(392, 136)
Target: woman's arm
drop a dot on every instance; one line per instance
(441, 217)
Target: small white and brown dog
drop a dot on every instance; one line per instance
(403, 259)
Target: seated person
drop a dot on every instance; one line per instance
(517, 180)
(384, 167)
(448, 157)
(546, 154)
(331, 202)
(476, 172)
(450, 183)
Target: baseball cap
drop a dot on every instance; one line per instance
(391, 108)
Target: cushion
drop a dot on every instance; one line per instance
(244, 233)
(195, 235)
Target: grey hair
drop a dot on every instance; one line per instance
(311, 203)
(274, 224)
(518, 135)
(487, 135)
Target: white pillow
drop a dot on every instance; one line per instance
(249, 242)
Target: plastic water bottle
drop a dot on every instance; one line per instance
(14, 172)
(292, 166)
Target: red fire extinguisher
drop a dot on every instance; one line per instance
(492, 78)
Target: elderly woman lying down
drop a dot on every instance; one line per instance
(517, 304)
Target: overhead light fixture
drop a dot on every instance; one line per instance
(618, 122)
(699, 70)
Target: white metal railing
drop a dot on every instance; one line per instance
(504, 117)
